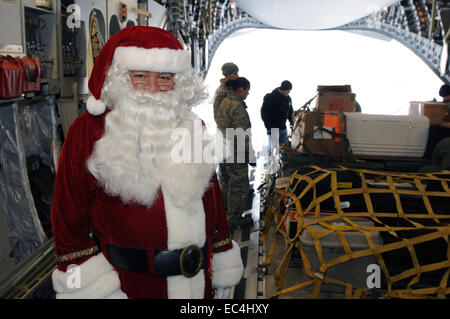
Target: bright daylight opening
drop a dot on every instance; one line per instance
(384, 74)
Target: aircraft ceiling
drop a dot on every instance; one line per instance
(310, 14)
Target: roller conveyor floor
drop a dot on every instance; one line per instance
(32, 277)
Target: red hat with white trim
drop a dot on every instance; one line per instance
(136, 48)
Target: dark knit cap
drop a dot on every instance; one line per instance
(444, 90)
(229, 68)
(286, 85)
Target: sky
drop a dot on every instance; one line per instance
(384, 74)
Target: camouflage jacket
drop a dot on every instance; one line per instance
(232, 114)
(221, 92)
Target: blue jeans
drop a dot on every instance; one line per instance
(282, 138)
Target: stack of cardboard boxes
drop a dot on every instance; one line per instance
(439, 117)
(320, 132)
(437, 112)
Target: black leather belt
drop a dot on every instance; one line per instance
(188, 261)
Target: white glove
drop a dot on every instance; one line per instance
(222, 293)
(97, 280)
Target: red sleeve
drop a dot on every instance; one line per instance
(221, 237)
(70, 215)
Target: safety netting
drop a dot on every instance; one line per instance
(361, 233)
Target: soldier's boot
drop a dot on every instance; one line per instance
(249, 202)
(238, 222)
(246, 221)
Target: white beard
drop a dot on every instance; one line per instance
(133, 158)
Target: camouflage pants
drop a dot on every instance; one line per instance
(235, 188)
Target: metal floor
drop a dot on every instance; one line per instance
(32, 277)
(252, 284)
(258, 280)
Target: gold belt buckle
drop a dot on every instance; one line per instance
(200, 263)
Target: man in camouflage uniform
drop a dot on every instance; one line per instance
(233, 174)
(230, 72)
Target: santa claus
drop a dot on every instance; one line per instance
(136, 223)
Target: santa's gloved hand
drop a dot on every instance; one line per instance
(222, 293)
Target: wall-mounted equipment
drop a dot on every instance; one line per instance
(41, 42)
(114, 25)
(142, 13)
(97, 33)
(11, 28)
(158, 14)
(122, 12)
(47, 4)
(73, 48)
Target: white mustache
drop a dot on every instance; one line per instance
(162, 99)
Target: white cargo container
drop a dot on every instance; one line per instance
(387, 135)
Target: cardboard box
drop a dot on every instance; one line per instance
(336, 102)
(435, 111)
(311, 133)
(335, 88)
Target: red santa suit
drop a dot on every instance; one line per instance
(81, 205)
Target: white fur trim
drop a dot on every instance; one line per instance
(98, 280)
(94, 106)
(182, 187)
(179, 219)
(228, 267)
(118, 294)
(222, 293)
(155, 60)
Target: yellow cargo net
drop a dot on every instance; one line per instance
(410, 229)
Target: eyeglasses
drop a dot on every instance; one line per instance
(147, 79)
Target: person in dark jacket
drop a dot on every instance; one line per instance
(444, 92)
(275, 111)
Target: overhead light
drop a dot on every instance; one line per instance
(233, 5)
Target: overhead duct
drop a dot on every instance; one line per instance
(311, 15)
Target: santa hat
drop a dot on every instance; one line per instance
(136, 48)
